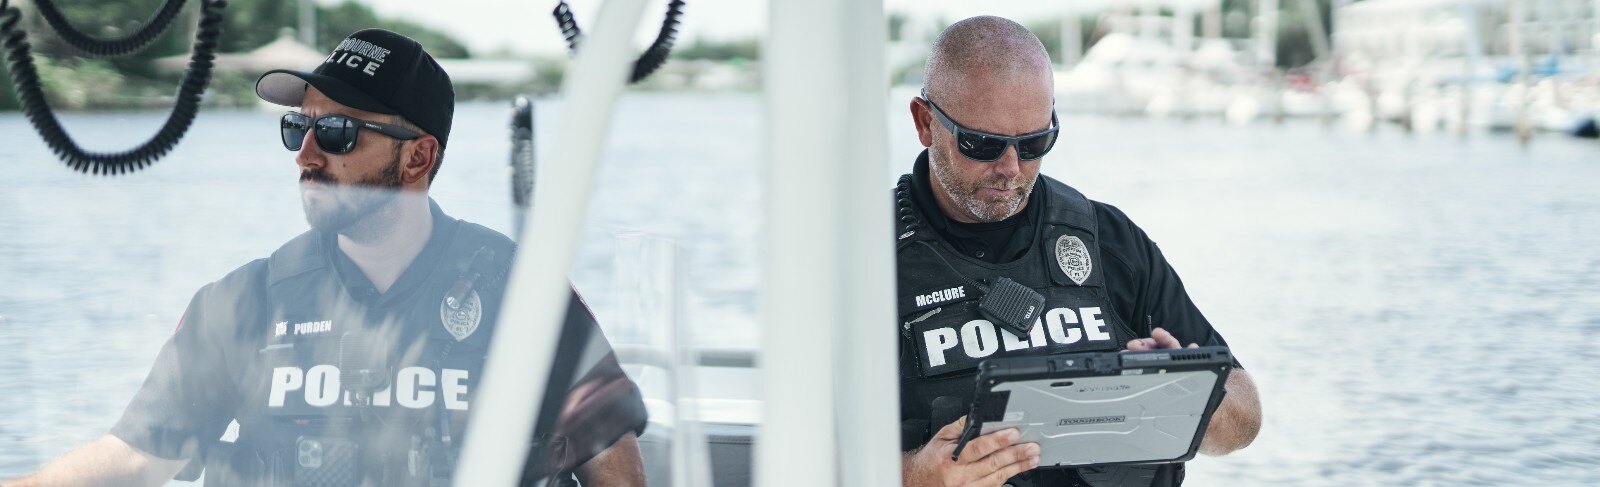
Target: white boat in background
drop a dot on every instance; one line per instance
(1123, 74)
(1472, 64)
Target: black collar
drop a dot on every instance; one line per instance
(967, 237)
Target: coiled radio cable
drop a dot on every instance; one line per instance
(135, 42)
(25, 79)
(652, 58)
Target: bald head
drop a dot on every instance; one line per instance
(988, 75)
(986, 54)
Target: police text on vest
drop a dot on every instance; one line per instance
(413, 387)
(979, 339)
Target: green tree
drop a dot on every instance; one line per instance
(1049, 34)
(8, 97)
(250, 24)
(108, 20)
(73, 80)
(337, 21)
(741, 49)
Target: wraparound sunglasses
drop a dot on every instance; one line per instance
(335, 134)
(986, 147)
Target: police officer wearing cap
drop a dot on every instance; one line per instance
(974, 213)
(351, 355)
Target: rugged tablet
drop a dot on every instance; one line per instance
(1102, 408)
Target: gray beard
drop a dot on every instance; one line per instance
(964, 197)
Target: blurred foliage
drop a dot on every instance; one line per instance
(1049, 33)
(254, 23)
(337, 21)
(1295, 47)
(8, 97)
(74, 81)
(746, 49)
(547, 75)
(897, 26)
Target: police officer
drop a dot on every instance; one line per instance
(975, 209)
(350, 355)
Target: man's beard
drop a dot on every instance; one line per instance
(346, 205)
(965, 194)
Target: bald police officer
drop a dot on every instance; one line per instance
(350, 356)
(975, 208)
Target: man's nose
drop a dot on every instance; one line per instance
(310, 156)
(1008, 165)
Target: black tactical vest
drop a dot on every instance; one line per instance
(943, 335)
(301, 425)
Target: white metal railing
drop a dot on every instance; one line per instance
(519, 359)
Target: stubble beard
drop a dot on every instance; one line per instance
(353, 209)
(965, 193)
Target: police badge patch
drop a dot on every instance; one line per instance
(461, 320)
(1073, 256)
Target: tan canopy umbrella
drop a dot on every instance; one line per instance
(283, 52)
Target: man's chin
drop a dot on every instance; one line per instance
(324, 215)
(993, 211)
(326, 222)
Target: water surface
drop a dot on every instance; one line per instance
(1415, 309)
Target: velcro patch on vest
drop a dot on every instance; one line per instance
(936, 297)
(944, 347)
(1073, 256)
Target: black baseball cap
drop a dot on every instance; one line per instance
(377, 71)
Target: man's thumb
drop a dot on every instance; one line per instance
(953, 430)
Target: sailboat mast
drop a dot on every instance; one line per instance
(308, 23)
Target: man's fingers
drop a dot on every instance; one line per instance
(1000, 476)
(986, 445)
(1160, 338)
(1164, 339)
(952, 431)
(1009, 455)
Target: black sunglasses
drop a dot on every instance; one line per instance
(986, 147)
(336, 134)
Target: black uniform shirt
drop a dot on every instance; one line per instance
(1142, 286)
(194, 387)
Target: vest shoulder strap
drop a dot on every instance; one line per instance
(1067, 205)
(466, 242)
(299, 255)
(470, 234)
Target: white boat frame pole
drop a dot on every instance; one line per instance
(829, 361)
(511, 389)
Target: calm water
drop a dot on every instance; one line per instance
(1415, 310)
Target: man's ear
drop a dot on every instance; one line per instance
(420, 159)
(923, 118)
